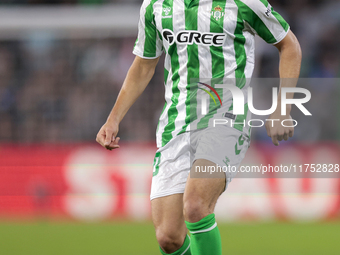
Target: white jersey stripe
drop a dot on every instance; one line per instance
(229, 24)
(204, 54)
(179, 25)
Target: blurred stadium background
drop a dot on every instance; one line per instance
(62, 63)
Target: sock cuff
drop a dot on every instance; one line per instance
(182, 251)
(206, 224)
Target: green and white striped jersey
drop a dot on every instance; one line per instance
(204, 40)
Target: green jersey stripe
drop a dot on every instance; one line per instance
(150, 40)
(216, 26)
(255, 22)
(241, 118)
(265, 2)
(191, 23)
(179, 25)
(148, 43)
(205, 67)
(265, 22)
(240, 52)
(283, 23)
(218, 69)
(172, 112)
(156, 162)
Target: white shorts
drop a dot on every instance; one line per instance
(221, 145)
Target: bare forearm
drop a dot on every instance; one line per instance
(290, 65)
(290, 59)
(137, 78)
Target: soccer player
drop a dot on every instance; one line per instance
(206, 42)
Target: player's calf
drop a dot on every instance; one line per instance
(199, 201)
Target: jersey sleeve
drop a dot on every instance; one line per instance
(148, 44)
(263, 20)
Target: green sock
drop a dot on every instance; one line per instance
(184, 250)
(205, 237)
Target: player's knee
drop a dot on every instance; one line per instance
(194, 209)
(169, 241)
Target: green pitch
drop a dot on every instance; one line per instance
(64, 238)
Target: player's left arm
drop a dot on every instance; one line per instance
(290, 64)
(263, 20)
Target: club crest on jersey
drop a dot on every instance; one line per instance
(217, 13)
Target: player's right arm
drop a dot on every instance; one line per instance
(148, 49)
(137, 78)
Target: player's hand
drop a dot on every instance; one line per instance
(107, 136)
(276, 131)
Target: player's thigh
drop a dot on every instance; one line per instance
(167, 215)
(201, 192)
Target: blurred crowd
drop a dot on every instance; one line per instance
(62, 90)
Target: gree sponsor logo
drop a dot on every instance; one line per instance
(190, 37)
